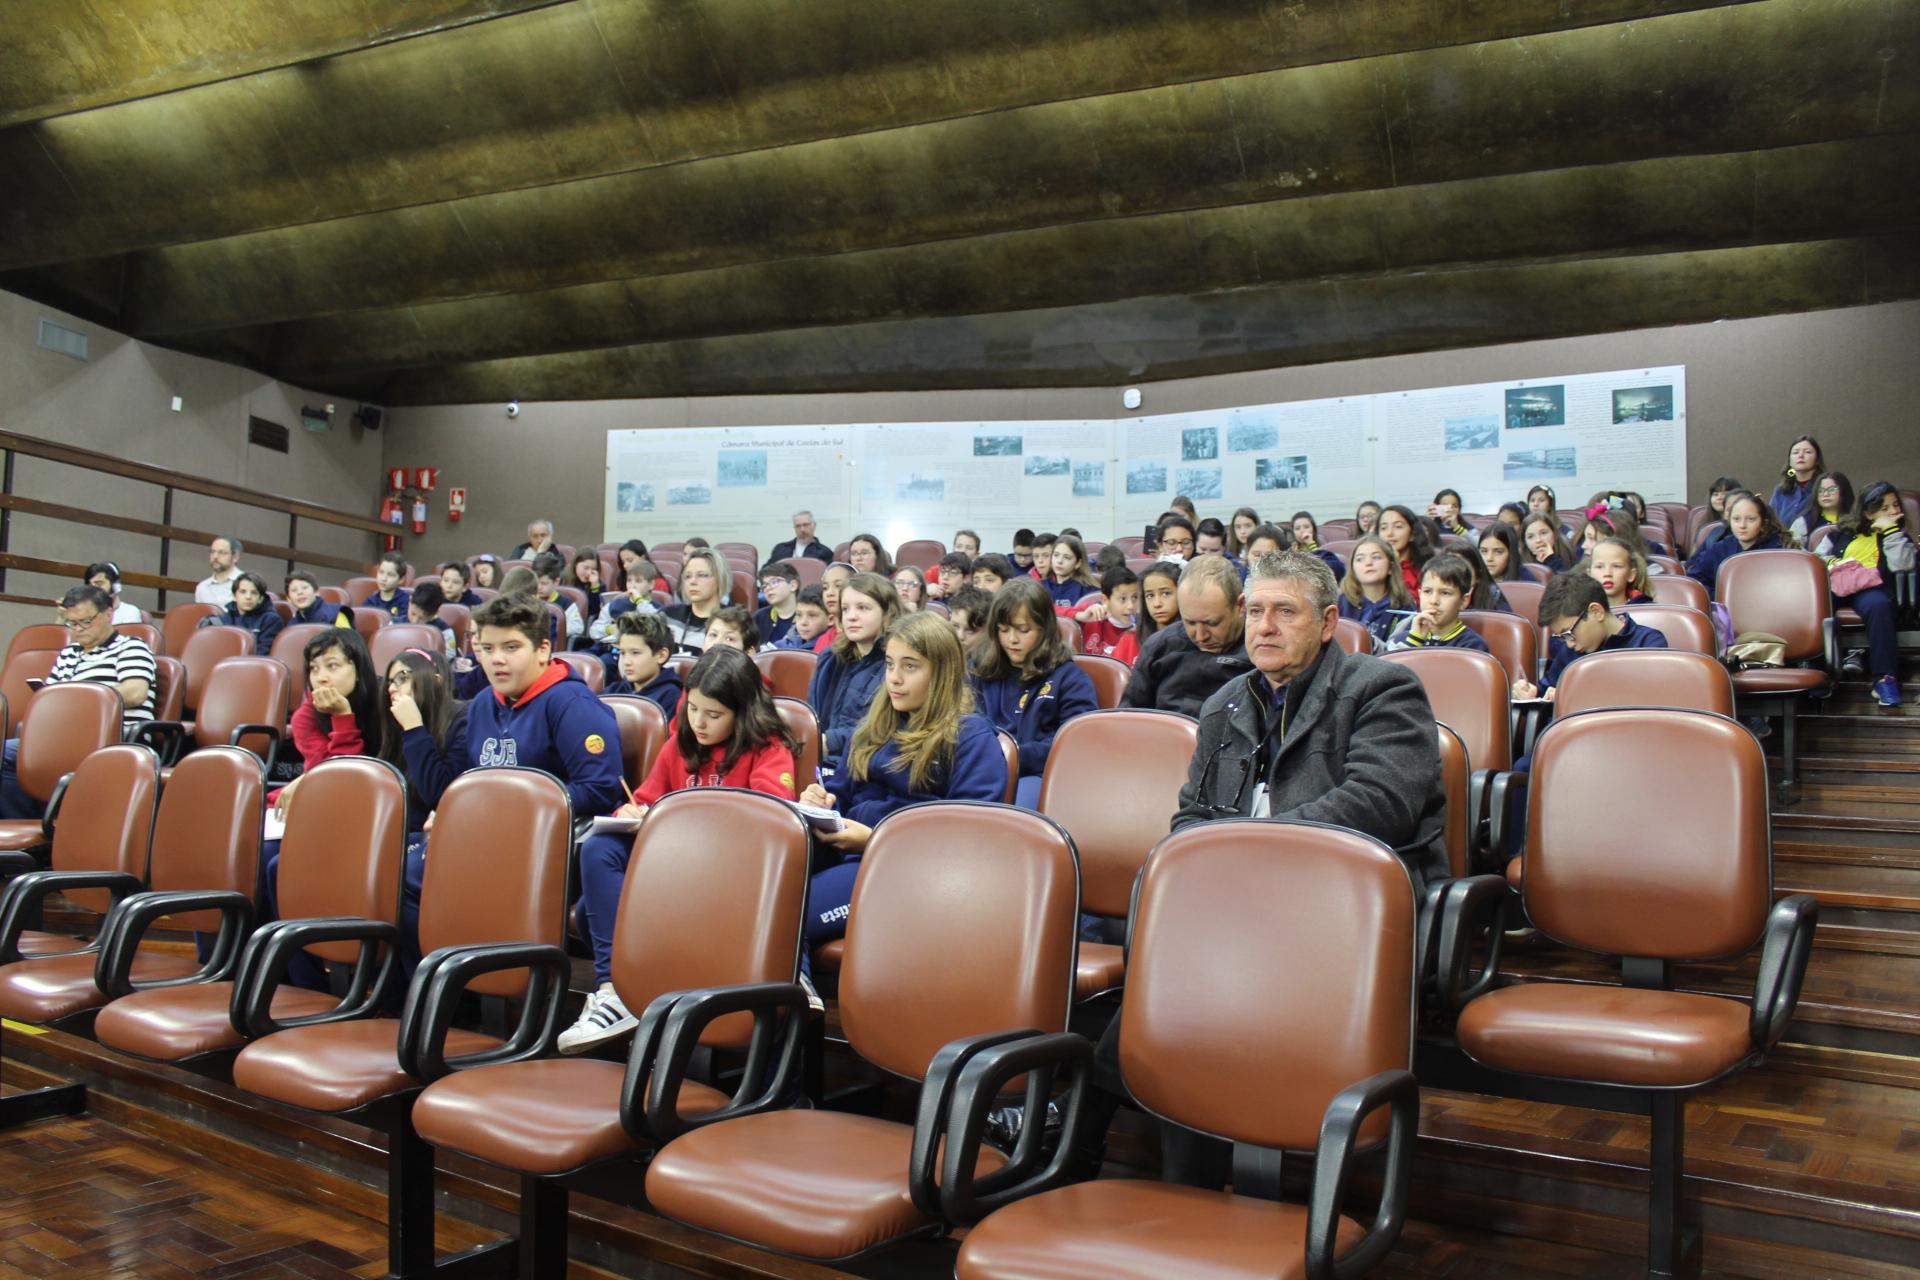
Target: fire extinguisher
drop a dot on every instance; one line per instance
(419, 513)
(390, 514)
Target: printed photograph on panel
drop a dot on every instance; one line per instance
(997, 446)
(1643, 404)
(1147, 475)
(1089, 479)
(1540, 464)
(1049, 464)
(1202, 484)
(1198, 444)
(1465, 435)
(629, 498)
(1536, 407)
(743, 469)
(1280, 473)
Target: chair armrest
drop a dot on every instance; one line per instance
(21, 902)
(16, 862)
(1333, 1165)
(1477, 783)
(130, 918)
(50, 815)
(669, 1034)
(274, 734)
(936, 1098)
(1498, 790)
(1472, 905)
(1783, 964)
(263, 967)
(1830, 643)
(170, 734)
(434, 999)
(964, 1199)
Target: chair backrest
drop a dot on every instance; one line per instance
(370, 623)
(389, 642)
(1698, 518)
(1140, 563)
(1109, 676)
(744, 549)
(1456, 773)
(804, 725)
(1341, 530)
(643, 728)
(145, 632)
(28, 664)
(789, 670)
(1069, 632)
(207, 648)
(179, 623)
(1514, 640)
(1683, 627)
(207, 833)
(1342, 547)
(1537, 572)
(587, 666)
(577, 598)
(1673, 588)
(170, 687)
(70, 722)
(345, 846)
(745, 590)
(289, 650)
(245, 690)
(682, 664)
(106, 817)
(1470, 692)
(334, 595)
(1677, 678)
(285, 611)
(810, 571)
(360, 589)
(1524, 597)
(697, 911)
(38, 635)
(1783, 593)
(1130, 545)
(460, 618)
(1206, 1031)
(921, 553)
(1006, 885)
(497, 867)
(1113, 781)
(1010, 749)
(1667, 565)
(1351, 635)
(1697, 884)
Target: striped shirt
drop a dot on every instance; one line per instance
(121, 658)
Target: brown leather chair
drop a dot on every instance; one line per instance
(391, 641)
(1131, 544)
(810, 571)
(719, 921)
(922, 553)
(170, 688)
(71, 721)
(460, 618)
(38, 635)
(289, 650)
(643, 730)
(181, 623)
(828, 1185)
(1341, 547)
(341, 858)
(370, 623)
(334, 595)
(1069, 632)
(285, 611)
(1010, 748)
(1352, 636)
(1524, 597)
(243, 704)
(1675, 678)
(587, 666)
(1684, 627)
(682, 664)
(1677, 589)
(145, 632)
(1668, 566)
(1113, 780)
(201, 847)
(1782, 593)
(746, 550)
(492, 909)
(1109, 676)
(205, 649)
(1456, 772)
(1208, 1040)
(360, 590)
(28, 664)
(1470, 694)
(1536, 572)
(1514, 640)
(1694, 886)
(798, 716)
(578, 599)
(790, 670)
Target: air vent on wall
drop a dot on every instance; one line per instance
(68, 342)
(268, 435)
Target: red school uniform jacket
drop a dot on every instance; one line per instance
(767, 768)
(1105, 639)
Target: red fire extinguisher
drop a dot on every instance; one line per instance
(419, 513)
(390, 514)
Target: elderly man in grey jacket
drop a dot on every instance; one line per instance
(1315, 733)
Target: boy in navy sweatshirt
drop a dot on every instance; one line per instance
(645, 645)
(1446, 583)
(1573, 610)
(780, 584)
(389, 596)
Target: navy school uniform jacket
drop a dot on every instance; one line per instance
(772, 631)
(1068, 592)
(470, 598)
(557, 725)
(324, 612)
(664, 689)
(1635, 635)
(1033, 711)
(1331, 560)
(1377, 616)
(1705, 566)
(264, 622)
(977, 772)
(417, 808)
(395, 608)
(840, 694)
(1461, 637)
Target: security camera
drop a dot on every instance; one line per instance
(513, 408)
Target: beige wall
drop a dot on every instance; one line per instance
(1850, 377)
(118, 402)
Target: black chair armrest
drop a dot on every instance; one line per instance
(263, 967)
(1472, 905)
(21, 901)
(965, 1199)
(274, 734)
(1333, 1166)
(936, 1097)
(51, 813)
(17, 862)
(1830, 644)
(1499, 788)
(131, 917)
(1477, 783)
(669, 1034)
(444, 976)
(165, 737)
(1783, 964)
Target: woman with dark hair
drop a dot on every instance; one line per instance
(1025, 680)
(866, 555)
(1501, 552)
(106, 576)
(1306, 537)
(1444, 510)
(1411, 541)
(1545, 544)
(1833, 502)
(426, 679)
(1366, 518)
(1794, 494)
(1240, 532)
(342, 712)
(1751, 526)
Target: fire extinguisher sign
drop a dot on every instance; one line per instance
(456, 504)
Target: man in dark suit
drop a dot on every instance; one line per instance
(803, 543)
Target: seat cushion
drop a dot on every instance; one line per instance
(50, 988)
(815, 1184)
(1516, 872)
(1102, 967)
(1613, 1035)
(549, 1117)
(1125, 1230)
(22, 834)
(828, 955)
(336, 1066)
(35, 943)
(1781, 680)
(176, 1023)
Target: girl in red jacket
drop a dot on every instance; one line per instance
(725, 734)
(341, 714)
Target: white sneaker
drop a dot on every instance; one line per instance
(814, 1002)
(604, 1019)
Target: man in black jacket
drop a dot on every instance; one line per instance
(803, 542)
(1182, 665)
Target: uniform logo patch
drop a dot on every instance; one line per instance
(595, 744)
(786, 780)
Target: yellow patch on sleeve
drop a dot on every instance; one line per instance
(595, 744)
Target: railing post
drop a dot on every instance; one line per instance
(166, 544)
(293, 537)
(6, 516)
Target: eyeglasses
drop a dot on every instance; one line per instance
(1564, 636)
(79, 624)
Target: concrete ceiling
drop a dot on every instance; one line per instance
(426, 201)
